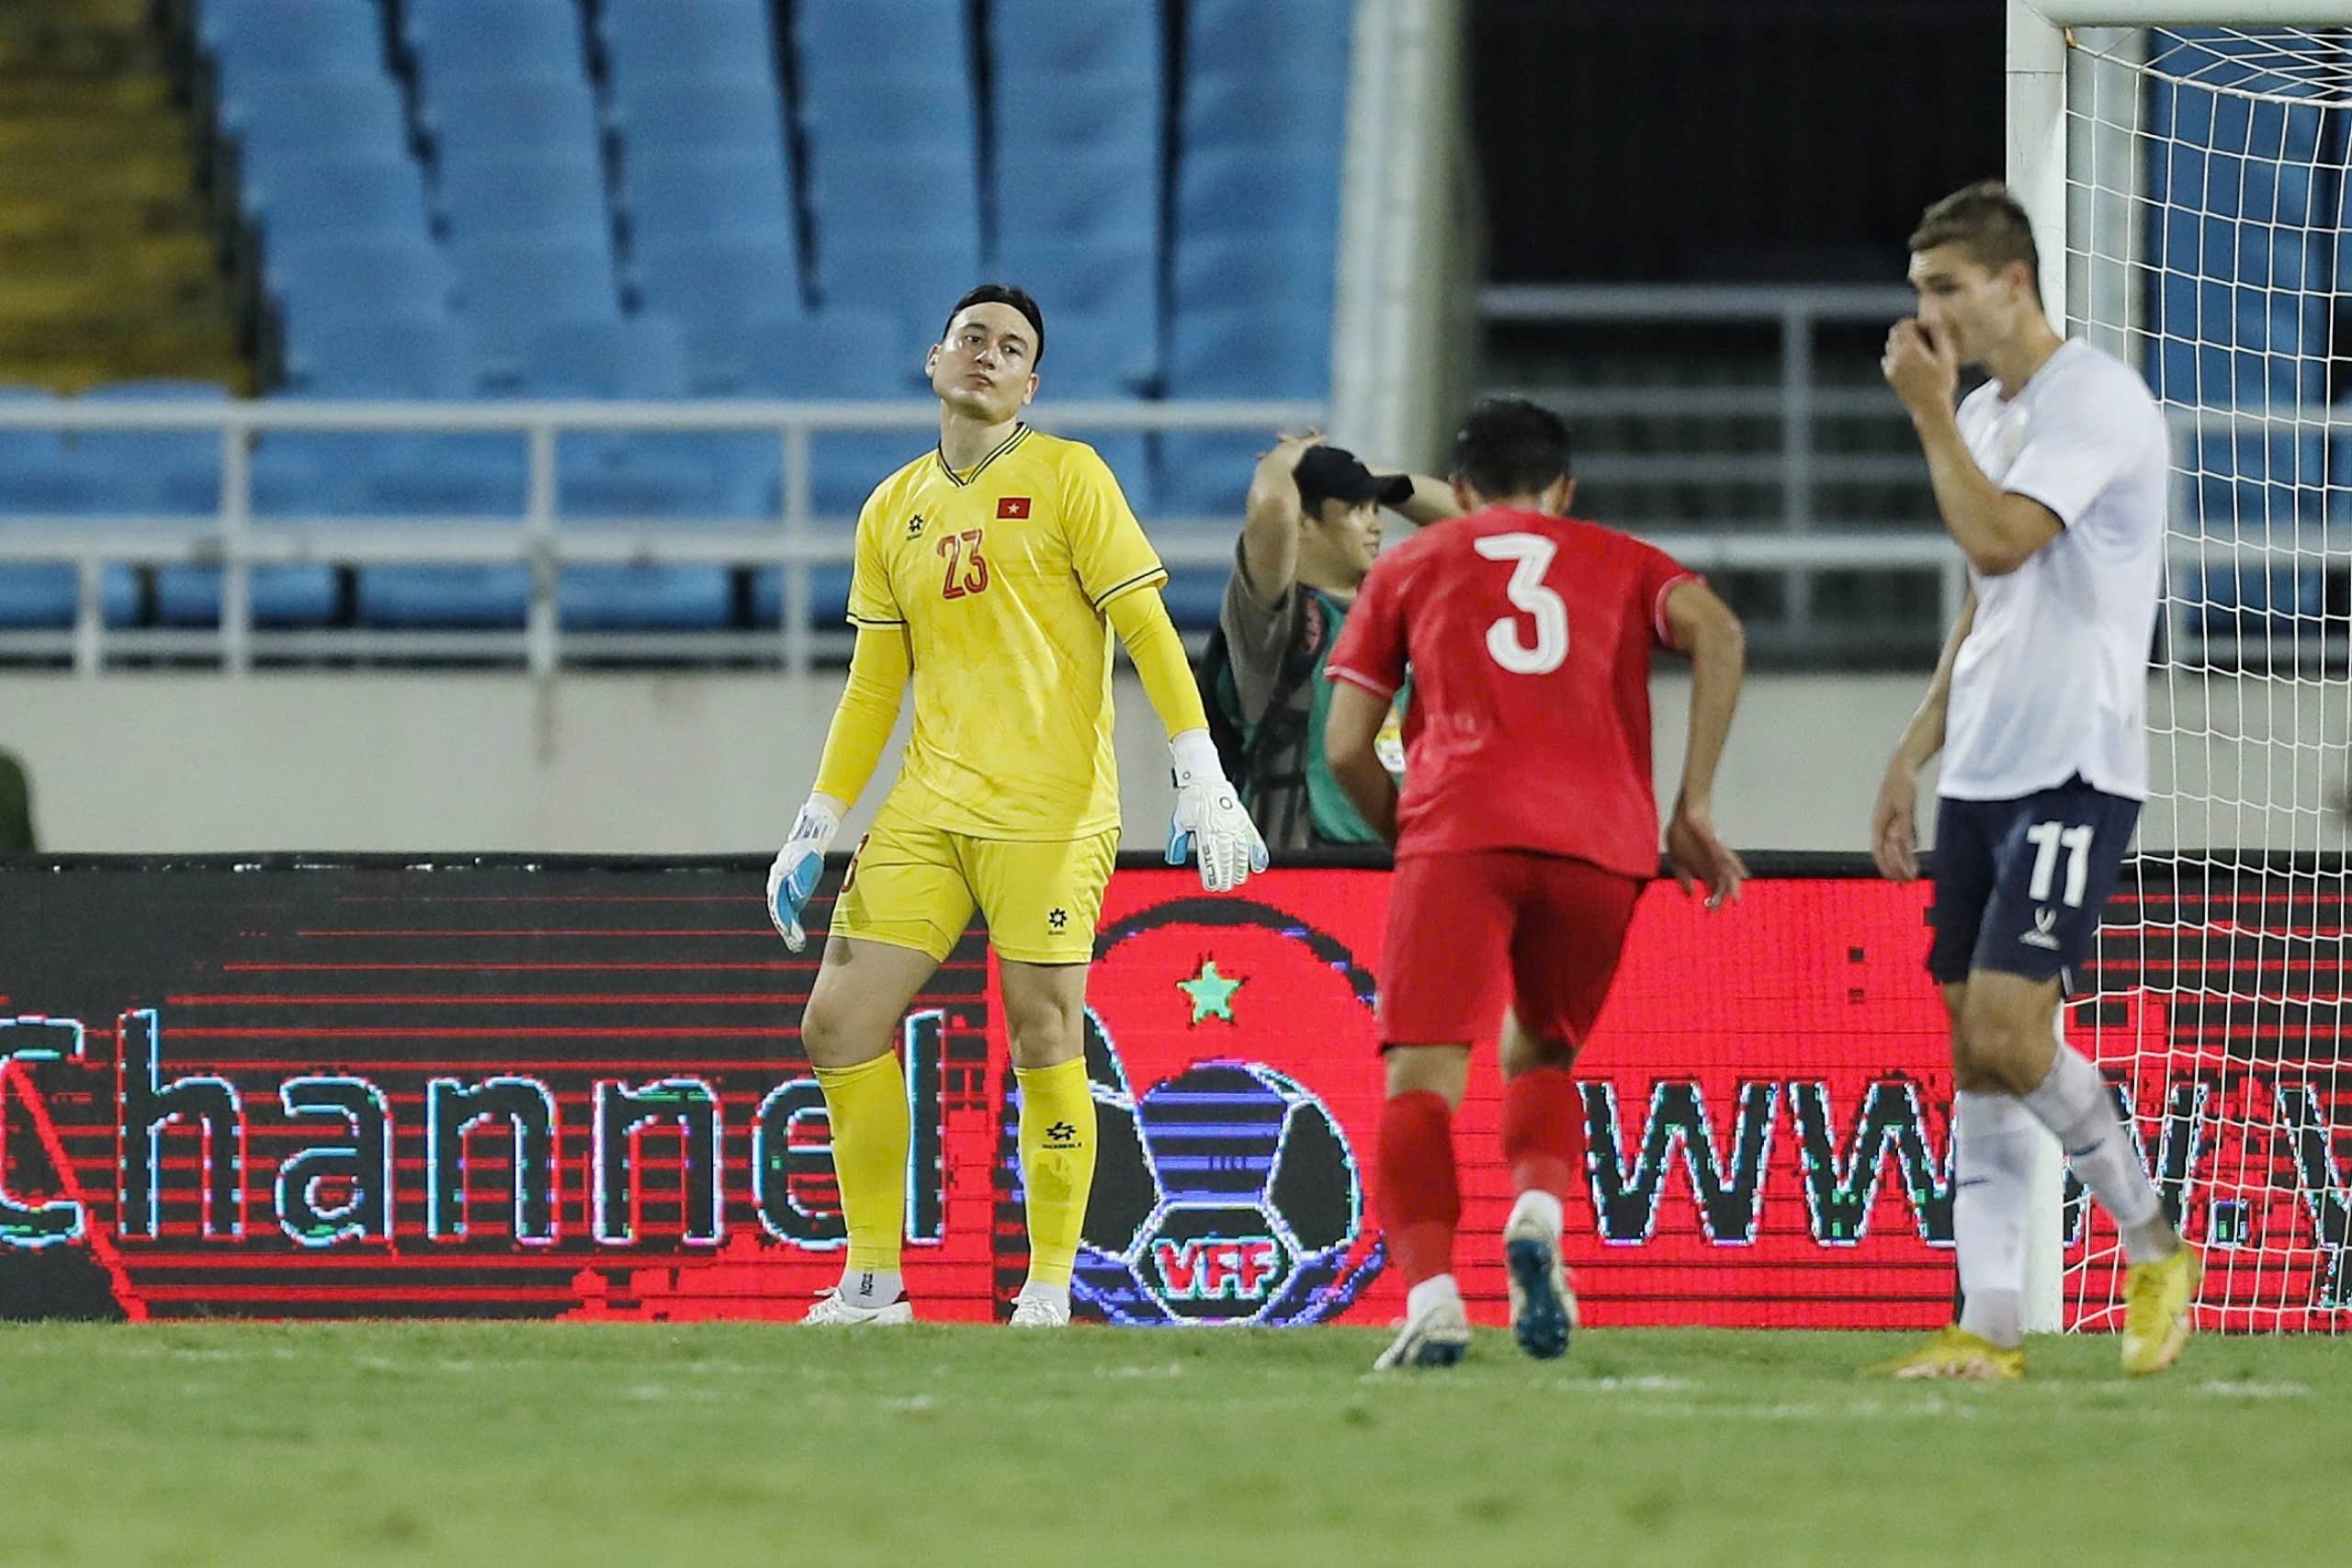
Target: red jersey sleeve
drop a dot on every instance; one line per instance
(1660, 575)
(1371, 651)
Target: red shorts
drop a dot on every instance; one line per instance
(1469, 933)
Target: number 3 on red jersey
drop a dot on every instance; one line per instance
(1531, 556)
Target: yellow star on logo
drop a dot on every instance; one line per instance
(1211, 993)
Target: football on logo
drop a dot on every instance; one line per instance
(1225, 1194)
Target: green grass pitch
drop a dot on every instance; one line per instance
(712, 1445)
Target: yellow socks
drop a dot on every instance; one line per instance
(1057, 1164)
(867, 1107)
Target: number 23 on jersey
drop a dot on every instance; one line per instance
(968, 570)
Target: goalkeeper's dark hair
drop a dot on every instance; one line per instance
(1510, 447)
(1988, 225)
(1005, 294)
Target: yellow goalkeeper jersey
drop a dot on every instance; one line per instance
(1000, 575)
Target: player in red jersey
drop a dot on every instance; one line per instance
(1526, 829)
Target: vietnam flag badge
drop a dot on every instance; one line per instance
(1013, 508)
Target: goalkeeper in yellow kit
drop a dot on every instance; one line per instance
(994, 570)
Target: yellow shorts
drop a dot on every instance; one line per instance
(916, 886)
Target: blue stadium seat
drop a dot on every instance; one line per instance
(370, 350)
(1082, 194)
(638, 474)
(2256, 486)
(1202, 474)
(1236, 352)
(39, 478)
(486, 36)
(837, 353)
(835, 32)
(395, 273)
(1266, 273)
(928, 192)
(699, 195)
(868, 107)
(42, 597)
(348, 194)
(645, 598)
(320, 37)
(2246, 343)
(1096, 354)
(462, 598)
(853, 97)
(28, 446)
(828, 596)
(713, 288)
(641, 356)
(279, 121)
(537, 196)
(1247, 192)
(2254, 601)
(1252, 108)
(1307, 37)
(514, 289)
(646, 36)
(915, 277)
(1102, 112)
(1049, 41)
(842, 352)
(163, 473)
(555, 114)
(680, 111)
(1194, 594)
(298, 596)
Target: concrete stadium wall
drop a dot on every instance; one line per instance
(718, 764)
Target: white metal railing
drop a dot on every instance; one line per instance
(795, 539)
(1799, 466)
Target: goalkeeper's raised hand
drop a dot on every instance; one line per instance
(797, 866)
(1210, 824)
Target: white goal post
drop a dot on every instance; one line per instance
(2194, 157)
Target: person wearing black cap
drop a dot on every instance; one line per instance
(1312, 529)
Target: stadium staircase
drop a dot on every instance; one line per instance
(109, 266)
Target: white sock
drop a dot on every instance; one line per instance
(2074, 1103)
(1541, 1208)
(1040, 1291)
(870, 1291)
(1430, 1294)
(1992, 1137)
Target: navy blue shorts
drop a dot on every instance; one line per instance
(2019, 884)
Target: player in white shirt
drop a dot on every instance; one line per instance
(2052, 479)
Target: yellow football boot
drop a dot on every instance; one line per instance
(2157, 1302)
(1954, 1354)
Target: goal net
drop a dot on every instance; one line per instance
(2207, 192)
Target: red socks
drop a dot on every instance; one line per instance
(1543, 1131)
(1419, 1201)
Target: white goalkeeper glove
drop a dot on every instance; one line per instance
(799, 864)
(1210, 823)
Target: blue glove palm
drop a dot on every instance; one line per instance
(793, 878)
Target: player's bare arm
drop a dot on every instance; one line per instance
(1894, 820)
(1271, 516)
(1350, 731)
(1997, 531)
(1703, 627)
(1432, 498)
